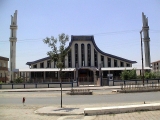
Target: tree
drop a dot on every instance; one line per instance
(58, 55)
(124, 75)
(149, 75)
(132, 74)
(127, 75)
(157, 74)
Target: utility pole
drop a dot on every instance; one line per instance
(142, 73)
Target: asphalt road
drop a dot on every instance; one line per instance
(54, 98)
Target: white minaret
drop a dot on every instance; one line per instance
(13, 40)
(146, 40)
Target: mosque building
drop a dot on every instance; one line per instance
(85, 62)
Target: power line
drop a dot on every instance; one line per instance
(106, 33)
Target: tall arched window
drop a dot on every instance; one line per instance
(89, 54)
(69, 59)
(76, 54)
(82, 55)
(95, 59)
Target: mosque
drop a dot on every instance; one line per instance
(85, 62)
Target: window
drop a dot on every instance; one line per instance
(82, 55)
(49, 64)
(1, 75)
(55, 64)
(4, 65)
(69, 59)
(0, 64)
(128, 65)
(122, 64)
(35, 66)
(95, 59)
(109, 62)
(76, 54)
(102, 60)
(115, 63)
(89, 54)
(41, 65)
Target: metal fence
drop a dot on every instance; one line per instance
(140, 86)
(135, 82)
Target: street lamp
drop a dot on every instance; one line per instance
(142, 56)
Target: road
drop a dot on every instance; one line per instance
(53, 98)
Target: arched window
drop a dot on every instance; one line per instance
(82, 55)
(76, 54)
(95, 59)
(89, 54)
(69, 59)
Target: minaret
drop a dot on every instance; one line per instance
(13, 40)
(146, 40)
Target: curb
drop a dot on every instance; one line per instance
(121, 109)
(58, 114)
(59, 111)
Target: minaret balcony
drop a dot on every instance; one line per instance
(13, 26)
(13, 39)
(145, 28)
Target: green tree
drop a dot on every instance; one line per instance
(157, 74)
(18, 80)
(127, 75)
(124, 75)
(149, 75)
(58, 55)
(132, 74)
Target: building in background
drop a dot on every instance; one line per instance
(156, 66)
(4, 69)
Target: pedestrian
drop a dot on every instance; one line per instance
(23, 100)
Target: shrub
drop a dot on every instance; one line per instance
(127, 75)
(157, 74)
(149, 75)
(18, 80)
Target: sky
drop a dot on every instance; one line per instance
(115, 25)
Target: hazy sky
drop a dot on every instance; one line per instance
(115, 25)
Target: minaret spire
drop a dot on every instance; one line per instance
(13, 40)
(146, 40)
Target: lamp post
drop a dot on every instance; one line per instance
(142, 56)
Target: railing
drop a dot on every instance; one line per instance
(37, 85)
(140, 86)
(147, 81)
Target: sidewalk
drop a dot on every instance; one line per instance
(59, 89)
(97, 110)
